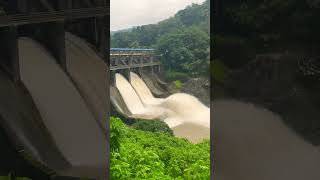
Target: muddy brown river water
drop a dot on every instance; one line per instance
(252, 143)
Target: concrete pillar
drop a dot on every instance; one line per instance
(140, 70)
(58, 43)
(102, 42)
(9, 52)
(127, 74)
(14, 53)
(52, 35)
(113, 78)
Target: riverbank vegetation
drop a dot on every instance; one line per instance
(137, 154)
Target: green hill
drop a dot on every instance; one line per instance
(182, 40)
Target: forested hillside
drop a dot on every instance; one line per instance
(182, 40)
(254, 26)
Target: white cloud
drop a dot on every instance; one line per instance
(127, 13)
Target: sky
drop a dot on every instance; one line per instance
(127, 13)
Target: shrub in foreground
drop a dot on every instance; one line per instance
(147, 155)
(152, 126)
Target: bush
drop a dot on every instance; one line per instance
(218, 71)
(152, 126)
(178, 84)
(116, 133)
(147, 155)
(173, 75)
(10, 177)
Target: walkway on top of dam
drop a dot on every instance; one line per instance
(127, 58)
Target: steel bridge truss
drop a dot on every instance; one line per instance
(135, 60)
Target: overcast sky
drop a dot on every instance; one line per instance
(127, 13)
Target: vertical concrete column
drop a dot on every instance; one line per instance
(151, 61)
(127, 74)
(14, 53)
(113, 78)
(140, 70)
(9, 53)
(56, 42)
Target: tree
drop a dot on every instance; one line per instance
(185, 50)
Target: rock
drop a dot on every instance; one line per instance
(198, 87)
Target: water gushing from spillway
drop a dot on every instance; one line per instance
(143, 91)
(64, 112)
(133, 102)
(175, 110)
(128, 94)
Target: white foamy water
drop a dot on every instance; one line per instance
(143, 91)
(64, 112)
(128, 94)
(188, 109)
(175, 110)
(252, 143)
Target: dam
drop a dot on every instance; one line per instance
(134, 98)
(54, 88)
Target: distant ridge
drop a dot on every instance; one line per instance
(123, 30)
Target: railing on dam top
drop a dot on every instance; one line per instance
(127, 58)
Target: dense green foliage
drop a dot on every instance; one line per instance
(182, 40)
(147, 155)
(152, 126)
(174, 75)
(11, 177)
(185, 50)
(263, 26)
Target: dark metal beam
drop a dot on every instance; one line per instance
(88, 3)
(133, 66)
(47, 5)
(21, 19)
